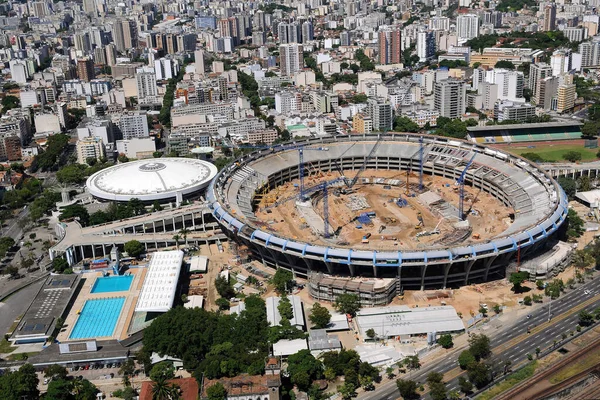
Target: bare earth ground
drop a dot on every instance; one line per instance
(399, 223)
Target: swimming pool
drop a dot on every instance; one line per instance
(112, 284)
(98, 318)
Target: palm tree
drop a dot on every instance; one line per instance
(162, 390)
(176, 238)
(184, 232)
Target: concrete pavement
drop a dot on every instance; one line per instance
(512, 342)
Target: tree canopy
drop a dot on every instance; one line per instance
(134, 248)
(347, 303)
(212, 343)
(319, 316)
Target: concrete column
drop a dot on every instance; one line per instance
(468, 270)
(174, 229)
(446, 271)
(193, 222)
(329, 267)
(93, 252)
(423, 272)
(103, 251)
(375, 271)
(488, 264)
(154, 226)
(133, 227)
(203, 224)
(352, 269)
(183, 221)
(144, 227)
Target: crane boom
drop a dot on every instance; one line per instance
(367, 158)
(461, 182)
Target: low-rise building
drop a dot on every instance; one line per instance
(137, 147)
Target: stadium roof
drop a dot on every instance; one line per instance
(160, 284)
(522, 126)
(149, 180)
(403, 321)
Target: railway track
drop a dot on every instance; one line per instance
(571, 358)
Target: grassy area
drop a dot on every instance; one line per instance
(555, 152)
(5, 347)
(514, 378)
(21, 356)
(572, 369)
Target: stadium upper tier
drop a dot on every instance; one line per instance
(539, 204)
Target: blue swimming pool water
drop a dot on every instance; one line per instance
(98, 318)
(112, 284)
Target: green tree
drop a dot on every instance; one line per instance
(55, 371)
(162, 370)
(216, 392)
(223, 287)
(347, 303)
(527, 300)
(134, 248)
(479, 346)
(569, 186)
(72, 174)
(127, 369)
(162, 390)
(283, 280)
(446, 341)
(585, 318)
(407, 389)
(535, 157)
(371, 333)
(572, 156)
(222, 303)
(575, 227)
(517, 279)
(303, 369)
(479, 374)
(319, 316)
(6, 243)
(505, 64)
(285, 308)
(77, 212)
(60, 389)
(404, 124)
(584, 183)
(465, 359)
(59, 264)
(539, 284)
(412, 362)
(464, 385)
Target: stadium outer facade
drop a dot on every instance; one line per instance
(539, 203)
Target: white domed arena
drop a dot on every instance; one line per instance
(159, 179)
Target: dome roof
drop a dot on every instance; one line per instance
(149, 180)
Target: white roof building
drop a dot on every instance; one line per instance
(238, 308)
(288, 347)
(274, 317)
(161, 179)
(194, 301)
(160, 284)
(199, 264)
(394, 321)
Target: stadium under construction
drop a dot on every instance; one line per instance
(428, 211)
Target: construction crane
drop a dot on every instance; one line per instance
(367, 159)
(300, 148)
(420, 163)
(461, 182)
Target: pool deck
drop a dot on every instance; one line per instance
(85, 294)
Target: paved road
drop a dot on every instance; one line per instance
(16, 305)
(13, 230)
(512, 342)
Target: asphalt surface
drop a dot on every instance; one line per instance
(512, 342)
(13, 230)
(16, 305)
